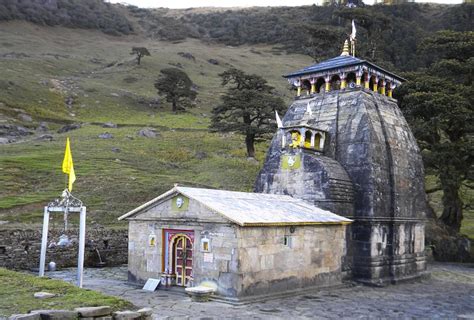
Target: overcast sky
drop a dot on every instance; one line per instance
(236, 3)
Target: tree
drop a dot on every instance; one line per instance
(177, 87)
(439, 106)
(140, 52)
(248, 107)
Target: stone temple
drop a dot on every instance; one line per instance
(340, 196)
(344, 146)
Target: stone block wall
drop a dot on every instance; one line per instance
(20, 248)
(219, 268)
(310, 256)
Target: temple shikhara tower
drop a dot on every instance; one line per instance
(344, 146)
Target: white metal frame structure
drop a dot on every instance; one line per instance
(68, 204)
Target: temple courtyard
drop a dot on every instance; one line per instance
(448, 294)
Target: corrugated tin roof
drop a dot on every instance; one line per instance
(253, 209)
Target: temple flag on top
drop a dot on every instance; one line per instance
(353, 33)
(68, 165)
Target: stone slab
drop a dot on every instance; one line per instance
(126, 315)
(29, 316)
(44, 295)
(94, 311)
(57, 314)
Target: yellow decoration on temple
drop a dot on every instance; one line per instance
(298, 92)
(345, 50)
(313, 88)
(358, 81)
(296, 139)
(343, 84)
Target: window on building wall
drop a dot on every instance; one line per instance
(205, 245)
(307, 139)
(317, 141)
(287, 241)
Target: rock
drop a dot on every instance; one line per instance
(148, 133)
(109, 125)
(201, 155)
(69, 127)
(43, 295)
(4, 140)
(126, 315)
(29, 316)
(25, 117)
(116, 149)
(56, 314)
(45, 137)
(145, 312)
(106, 135)
(213, 61)
(113, 94)
(43, 127)
(129, 137)
(94, 311)
(186, 55)
(200, 293)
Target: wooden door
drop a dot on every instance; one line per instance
(183, 254)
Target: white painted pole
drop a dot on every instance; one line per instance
(82, 242)
(44, 242)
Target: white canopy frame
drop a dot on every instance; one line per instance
(68, 204)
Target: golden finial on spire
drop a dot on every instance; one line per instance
(345, 50)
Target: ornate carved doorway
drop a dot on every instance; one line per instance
(183, 259)
(179, 255)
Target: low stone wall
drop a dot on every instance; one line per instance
(20, 248)
(86, 313)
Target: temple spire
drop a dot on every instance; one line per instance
(345, 50)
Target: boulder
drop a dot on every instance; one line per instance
(94, 311)
(4, 140)
(45, 137)
(44, 295)
(69, 127)
(148, 133)
(109, 125)
(43, 127)
(213, 61)
(115, 149)
(28, 316)
(56, 314)
(25, 117)
(106, 135)
(126, 315)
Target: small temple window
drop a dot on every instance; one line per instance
(317, 141)
(306, 86)
(307, 139)
(351, 80)
(335, 82)
(320, 85)
(287, 241)
(205, 245)
(372, 83)
(295, 139)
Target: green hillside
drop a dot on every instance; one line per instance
(46, 67)
(83, 74)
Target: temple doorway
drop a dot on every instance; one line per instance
(179, 256)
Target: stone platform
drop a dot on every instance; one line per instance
(448, 294)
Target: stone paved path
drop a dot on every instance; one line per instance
(449, 294)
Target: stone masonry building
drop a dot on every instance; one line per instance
(241, 244)
(345, 146)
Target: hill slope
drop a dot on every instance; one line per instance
(59, 76)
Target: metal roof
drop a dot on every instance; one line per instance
(338, 62)
(252, 209)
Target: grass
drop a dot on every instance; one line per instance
(17, 289)
(96, 70)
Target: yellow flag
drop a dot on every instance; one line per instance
(68, 166)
